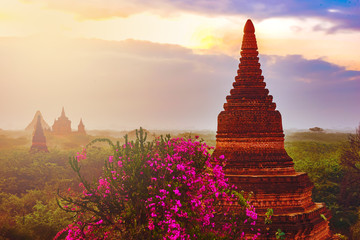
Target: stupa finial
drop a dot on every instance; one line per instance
(249, 27)
(249, 39)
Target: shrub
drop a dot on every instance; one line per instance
(164, 189)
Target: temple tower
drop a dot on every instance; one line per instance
(38, 140)
(250, 136)
(62, 126)
(32, 124)
(81, 128)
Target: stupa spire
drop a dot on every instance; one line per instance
(250, 136)
(63, 112)
(81, 127)
(249, 39)
(38, 140)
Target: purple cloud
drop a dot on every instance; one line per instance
(343, 14)
(313, 92)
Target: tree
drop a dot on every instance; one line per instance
(316, 129)
(350, 156)
(349, 195)
(170, 188)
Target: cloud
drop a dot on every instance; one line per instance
(343, 15)
(113, 84)
(97, 9)
(313, 92)
(127, 84)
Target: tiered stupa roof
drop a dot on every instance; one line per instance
(250, 136)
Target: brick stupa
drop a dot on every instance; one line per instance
(38, 139)
(250, 136)
(62, 126)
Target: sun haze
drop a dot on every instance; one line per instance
(165, 64)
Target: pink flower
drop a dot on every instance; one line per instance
(183, 183)
(151, 225)
(177, 192)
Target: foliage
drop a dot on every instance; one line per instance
(350, 191)
(28, 183)
(163, 189)
(269, 213)
(35, 215)
(319, 137)
(341, 237)
(332, 180)
(280, 234)
(355, 229)
(29, 180)
(350, 156)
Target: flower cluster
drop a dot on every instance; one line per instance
(81, 155)
(165, 189)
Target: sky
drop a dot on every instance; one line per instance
(169, 64)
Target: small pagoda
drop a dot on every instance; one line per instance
(62, 126)
(38, 139)
(250, 136)
(81, 128)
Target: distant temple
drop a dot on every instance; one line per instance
(38, 140)
(32, 124)
(81, 128)
(62, 126)
(250, 136)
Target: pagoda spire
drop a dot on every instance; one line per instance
(38, 140)
(81, 127)
(250, 136)
(249, 39)
(249, 86)
(63, 112)
(249, 117)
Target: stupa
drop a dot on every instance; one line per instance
(250, 136)
(81, 128)
(62, 126)
(38, 140)
(32, 124)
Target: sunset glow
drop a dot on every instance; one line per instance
(65, 53)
